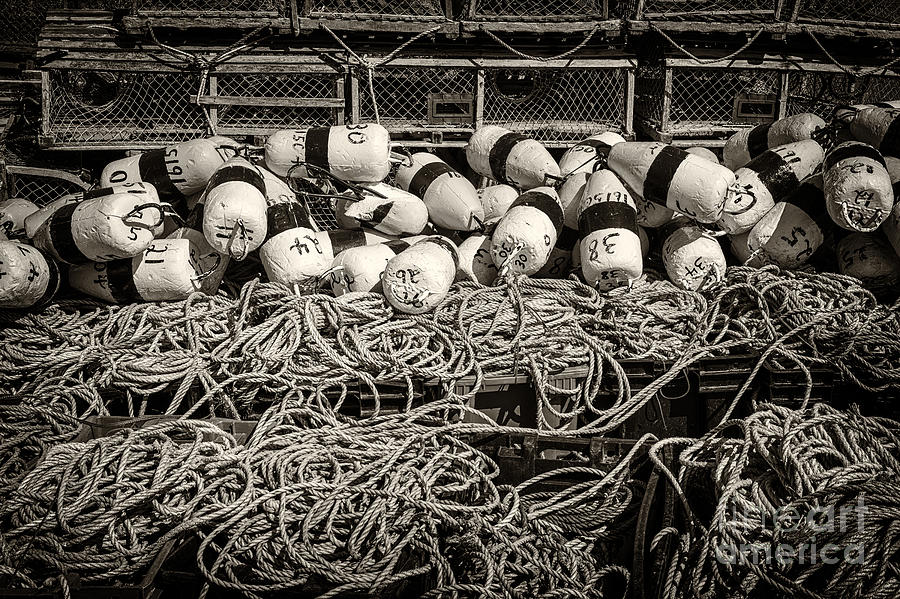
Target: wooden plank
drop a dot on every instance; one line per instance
(479, 97)
(136, 25)
(32, 171)
(288, 102)
(45, 102)
(339, 113)
(576, 25)
(783, 94)
(213, 112)
(628, 124)
(767, 63)
(667, 101)
(448, 29)
(354, 99)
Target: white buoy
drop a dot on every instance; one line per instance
(475, 263)
(210, 264)
(139, 188)
(418, 278)
(13, 213)
(451, 199)
(511, 158)
(857, 186)
(880, 128)
(496, 200)
(28, 277)
(359, 153)
(277, 191)
(703, 153)
(176, 171)
(767, 179)
(589, 154)
(101, 229)
(891, 225)
(791, 232)
(559, 262)
(524, 237)
(747, 144)
(168, 270)
(693, 258)
(845, 114)
(570, 194)
(610, 244)
(360, 269)
(650, 214)
(869, 258)
(671, 177)
(36, 219)
(384, 208)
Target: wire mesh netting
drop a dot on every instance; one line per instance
(556, 106)
(649, 91)
(819, 92)
(214, 6)
(708, 97)
(269, 118)
(538, 9)
(120, 108)
(21, 22)
(403, 93)
(838, 12)
(39, 190)
(368, 8)
(710, 10)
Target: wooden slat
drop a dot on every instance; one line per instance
(290, 102)
(574, 25)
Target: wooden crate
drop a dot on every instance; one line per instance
(432, 101)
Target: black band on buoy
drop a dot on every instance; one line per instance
(120, 279)
(890, 143)
(344, 239)
(284, 216)
(775, 174)
(379, 214)
(673, 225)
(426, 175)
(238, 172)
(52, 283)
(607, 215)
(567, 239)
(500, 152)
(438, 240)
(852, 150)
(661, 172)
(397, 246)
(317, 146)
(153, 169)
(811, 200)
(96, 193)
(758, 140)
(60, 229)
(601, 148)
(545, 203)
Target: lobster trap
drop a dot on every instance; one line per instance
(869, 16)
(390, 15)
(819, 91)
(538, 15)
(668, 13)
(442, 101)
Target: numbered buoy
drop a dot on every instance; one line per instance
(610, 244)
(418, 278)
(526, 234)
(671, 177)
(703, 153)
(359, 153)
(858, 192)
(451, 199)
(210, 263)
(791, 232)
(559, 262)
(475, 263)
(650, 214)
(496, 200)
(13, 213)
(175, 171)
(101, 229)
(586, 155)
(869, 258)
(769, 178)
(747, 144)
(570, 194)
(383, 208)
(361, 268)
(511, 158)
(28, 278)
(168, 270)
(693, 258)
(878, 127)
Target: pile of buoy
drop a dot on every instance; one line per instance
(166, 223)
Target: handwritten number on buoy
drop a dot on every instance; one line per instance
(118, 177)
(607, 246)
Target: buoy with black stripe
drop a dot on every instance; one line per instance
(671, 177)
(359, 153)
(361, 268)
(559, 262)
(610, 244)
(522, 241)
(845, 114)
(101, 229)
(384, 208)
(791, 232)
(891, 225)
(418, 278)
(869, 258)
(511, 158)
(693, 258)
(584, 156)
(13, 213)
(767, 179)
(570, 194)
(28, 277)
(277, 191)
(878, 127)
(650, 214)
(140, 188)
(747, 144)
(176, 171)
(35, 220)
(168, 270)
(858, 192)
(475, 263)
(451, 199)
(703, 153)
(496, 200)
